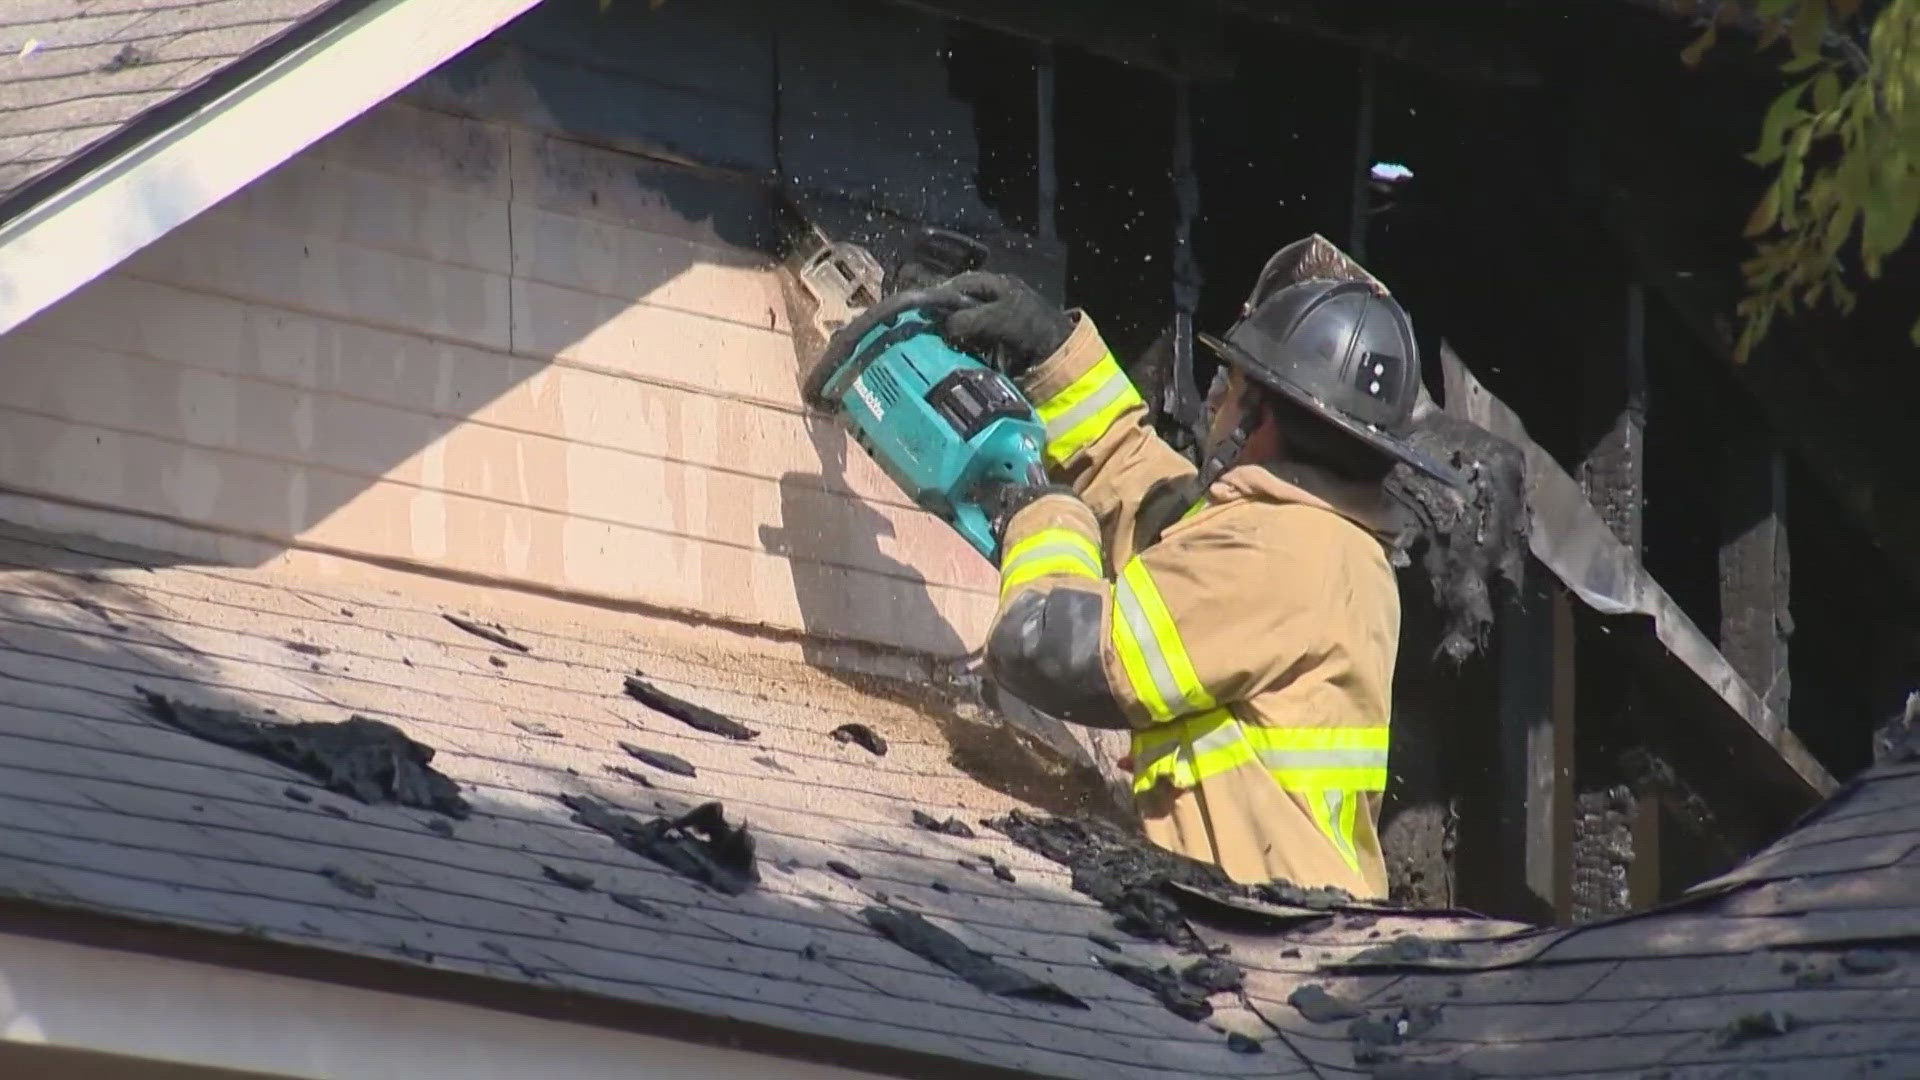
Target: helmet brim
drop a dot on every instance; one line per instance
(1389, 446)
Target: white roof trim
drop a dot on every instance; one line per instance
(77, 997)
(143, 193)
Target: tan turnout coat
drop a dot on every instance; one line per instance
(1250, 647)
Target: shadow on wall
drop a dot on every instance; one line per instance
(814, 542)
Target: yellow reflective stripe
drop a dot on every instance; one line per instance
(1348, 839)
(1086, 408)
(1333, 812)
(1307, 761)
(1134, 662)
(1048, 551)
(1195, 508)
(1186, 751)
(1056, 536)
(1044, 566)
(1324, 758)
(1170, 686)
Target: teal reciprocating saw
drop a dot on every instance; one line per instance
(940, 423)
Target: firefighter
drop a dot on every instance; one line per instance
(1240, 619)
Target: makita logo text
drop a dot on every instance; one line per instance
(873, 403)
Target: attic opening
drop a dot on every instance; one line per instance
(1528, 239)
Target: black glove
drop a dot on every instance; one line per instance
(1002, 499)
(1005, 322)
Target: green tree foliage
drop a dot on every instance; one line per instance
(1843, 143)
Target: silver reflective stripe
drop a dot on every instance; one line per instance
(1108, 393)
(1136, 616)
(1335, 798)
(1324, 759)
(1141, 761)
(1219, 738)
(1044, 551)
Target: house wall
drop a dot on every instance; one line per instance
(519, 324)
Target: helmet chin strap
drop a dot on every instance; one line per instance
(1224, 454)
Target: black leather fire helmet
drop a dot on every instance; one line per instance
(1344, 352)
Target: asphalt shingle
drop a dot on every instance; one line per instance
(74, 71)
(109, 811)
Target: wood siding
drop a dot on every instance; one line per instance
(467, 334)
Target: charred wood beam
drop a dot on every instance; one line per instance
(1516, 830)
(1614, 472)
(1684, 244)
(1697, 683)
(1755, 623)
(1609, 820)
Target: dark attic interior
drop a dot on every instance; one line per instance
(1571, 230)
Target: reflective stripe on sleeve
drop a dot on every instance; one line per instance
(1305, 761)
(1333, 813)
(1046, 552)
(1086, 408)
(1324, 758)
(1151, 653)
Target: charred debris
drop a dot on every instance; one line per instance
(369, 760)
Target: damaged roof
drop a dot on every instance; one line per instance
(73, 72)
(1806, 954)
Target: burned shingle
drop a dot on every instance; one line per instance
(1163, 983)
(334, 811)
(370, 760)
(497, 661)
(636, 903)
(129, 56)
(305, 649)
(489, 632)
(296, 794)
(1319, 1007)
(861, 735)
(502, 951)
(349, 882)
(699, 844)
(1243, 1044)
(920, 937)
(535, 727)
(660, 759)
(571, 880)
(698, 717)
(1760, 1024)
(628, 774)
(440, 827)
(1214, 975)
(953, 826)
(844, 870)
(1123, 873)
